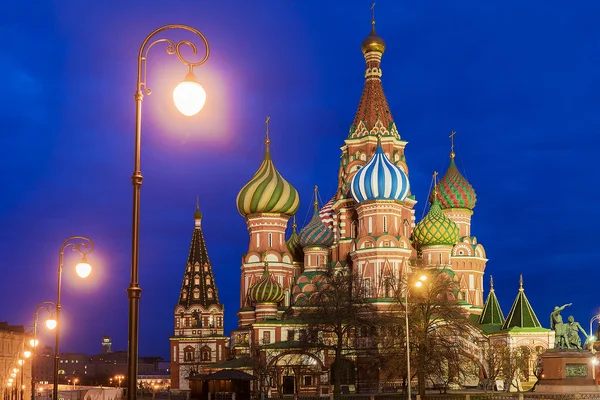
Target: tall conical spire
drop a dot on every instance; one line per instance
(373, 109)
(492, 313)
(521, 313)
(198, 286)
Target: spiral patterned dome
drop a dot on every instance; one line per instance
(315, 233)
(267, 191)
(266, 290)
(454, 191)
(436, 228)
(293, 245)
(379, 179)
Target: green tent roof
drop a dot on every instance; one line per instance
(521, 313)
(492, 313)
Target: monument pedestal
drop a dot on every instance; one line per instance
(567, 371)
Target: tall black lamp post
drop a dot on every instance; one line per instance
(83, 246)
(189, 97)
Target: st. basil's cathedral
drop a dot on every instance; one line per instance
(368, 227)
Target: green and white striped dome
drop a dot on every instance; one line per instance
(266, 290)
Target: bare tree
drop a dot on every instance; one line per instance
(494, 352)
(332, 315)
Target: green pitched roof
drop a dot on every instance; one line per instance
(492, 313)
(521, 313)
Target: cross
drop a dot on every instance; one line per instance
(197, 203)
(435, 174)
(452, 140)
(373, 11)
(267, 124)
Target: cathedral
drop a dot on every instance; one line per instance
(368, 227)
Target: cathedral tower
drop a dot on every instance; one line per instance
(267, 202)
(198, 319)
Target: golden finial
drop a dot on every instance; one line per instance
(267, 140)
(435, 174)
(491, 283)
(316, 204)
(452, 144)
(266, 271)
(294, 226)
(373, 13)
(521, 283)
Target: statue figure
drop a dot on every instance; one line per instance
(561, 340)
(574, 328)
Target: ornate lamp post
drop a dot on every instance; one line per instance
(189, 97)
(418, 284)
(83, 246)
(50, 307)
(593, 338)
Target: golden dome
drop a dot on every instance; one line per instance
(373, 42)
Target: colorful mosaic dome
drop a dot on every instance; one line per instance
(267, 191)
(379, 179)
(454, 191)
(266, 290)
(315, 233)
(293, 245)
(436, 228)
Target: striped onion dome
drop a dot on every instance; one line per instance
(293, 245)
(379, 179)
(436, 228)
(326, 213)
(454, 191)
(267, 191)
(315, 233)
(266, 290)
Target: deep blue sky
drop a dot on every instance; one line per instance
(519, 81)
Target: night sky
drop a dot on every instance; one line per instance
(519, 82)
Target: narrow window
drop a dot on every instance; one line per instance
(385, 229)
(270, 241)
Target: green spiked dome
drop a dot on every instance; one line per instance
(492, 313)
(293, 245)
(454, 191)
(436, 229)
(267, 191)
(266, 290)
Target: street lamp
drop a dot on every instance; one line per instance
(189, 98)
(418, 284)
(50, 307)
(593, 338)
(83, 246)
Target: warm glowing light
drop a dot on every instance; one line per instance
(9, 383)
(423, 278)
(84, 269)
(595, 361)
(27, 353)
(22, 386)
(13, 375)
(15, 370)
(35, 342)
(189, 96)
(419, 284)
(50, 324)
(21, 362)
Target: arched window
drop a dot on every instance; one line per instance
(196, 280)
(209, 293)
(196, 293)
(188, 354)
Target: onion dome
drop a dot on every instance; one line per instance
(293, 245)
(373, 42)
(454, 191)
(436, 228)
(266, 290)
(379, 179)
(315, 233)
(267, 191)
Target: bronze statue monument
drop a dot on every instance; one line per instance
(561, 330)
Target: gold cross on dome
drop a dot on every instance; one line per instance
(267, 126)
(373, 12)
(452, 142)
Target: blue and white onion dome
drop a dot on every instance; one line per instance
(379, 179)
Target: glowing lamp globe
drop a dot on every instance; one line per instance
(27, 353)
(84, 269)
(189, 96)
(50, 324)
(35, 342)
(21, 362)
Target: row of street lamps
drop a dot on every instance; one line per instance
(189, 98)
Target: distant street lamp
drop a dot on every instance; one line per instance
(189, 97)
(418, 284)
(592, 337)
(83, 246)
(50, 307)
